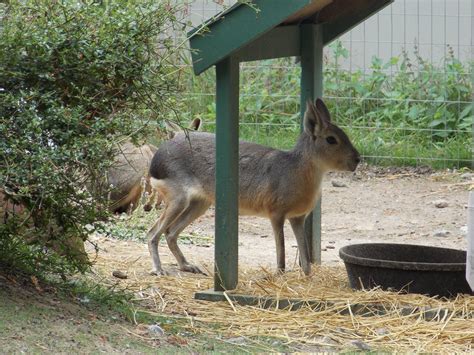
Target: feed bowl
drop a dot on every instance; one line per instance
(408, 268)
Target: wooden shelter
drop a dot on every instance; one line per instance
(255, 30)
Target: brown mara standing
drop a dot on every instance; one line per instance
(276, 184)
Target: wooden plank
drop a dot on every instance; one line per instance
(227, 174)
(311, 88)
(233, 30)
(343, 21)
(360, 309)
(341, 8)
(279, 42)
(263, 302)
(307, 12)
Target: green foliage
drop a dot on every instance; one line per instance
(402, 111)
(401, 93)
(76, 78)
(130, 227)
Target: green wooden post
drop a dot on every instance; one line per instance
(472, 142)
(227, 174)
(311, 41)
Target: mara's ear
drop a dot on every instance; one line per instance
(171, 129)
(172, 126)
(323, 110)
(314, 123)
(195, 124)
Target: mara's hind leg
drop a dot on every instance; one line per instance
(194, 209)
(172, 211)
(277, 225)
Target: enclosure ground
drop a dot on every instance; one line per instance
(43, 322)
(47, 321)
(414, 205)
(373, 205)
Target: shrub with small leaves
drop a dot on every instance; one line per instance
(76, 78)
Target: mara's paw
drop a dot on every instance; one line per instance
(307, 270)
(160, 272)
(192, 268)
(280, 271)
(269, 276)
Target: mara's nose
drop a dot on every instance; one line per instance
(357, 159)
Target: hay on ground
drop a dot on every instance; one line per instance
(402, 326)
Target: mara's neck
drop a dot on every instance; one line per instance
(303, 145)
(305, 154)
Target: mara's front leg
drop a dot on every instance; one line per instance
(277, 225)
(297, 224)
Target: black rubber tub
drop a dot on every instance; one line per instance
(407, 268)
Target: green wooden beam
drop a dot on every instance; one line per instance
(312, 87)
(472, 142)
(341, 25)
(360, 309)
(264, 302)
(238, 27)
(227, 174)
(280, 42)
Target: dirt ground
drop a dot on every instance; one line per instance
(409, 205)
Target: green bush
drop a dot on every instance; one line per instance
(76, 78)
(416, 94)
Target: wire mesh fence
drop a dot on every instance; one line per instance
(400, 83)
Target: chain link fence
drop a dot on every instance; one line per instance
(400, 83)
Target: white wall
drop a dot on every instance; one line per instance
(431, 25)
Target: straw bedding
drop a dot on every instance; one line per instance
(400, 322)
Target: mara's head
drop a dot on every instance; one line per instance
(173, 127)
(331, 145)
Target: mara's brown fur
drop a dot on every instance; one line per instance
(129, 178)
(10, 209)
(276, 184)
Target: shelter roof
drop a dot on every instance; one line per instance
(244, 23)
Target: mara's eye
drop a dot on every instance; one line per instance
(331, 140)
